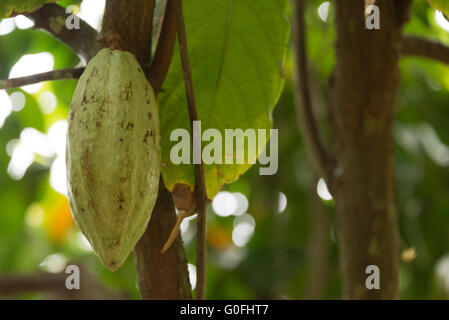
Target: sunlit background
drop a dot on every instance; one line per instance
(260, 229)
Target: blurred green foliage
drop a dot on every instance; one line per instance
(274, 263)
(13, 6)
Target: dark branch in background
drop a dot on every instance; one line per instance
(200, 187)
(51, 18)
(53, 285)
(416, 46)
(164, 50)
(68, 73)
(319, 155)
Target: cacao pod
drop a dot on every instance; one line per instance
(113, 154)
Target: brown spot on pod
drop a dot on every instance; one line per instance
(126, 92)
(82, 123)
(145, 138)
(102, 110)
(89, 98)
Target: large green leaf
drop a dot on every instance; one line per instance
(8, 7)
(442, 5)
(236, 49)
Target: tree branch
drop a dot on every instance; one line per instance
(200, 187)
(128, 24)
(68, 73)
(165, 45)
(51, 18)
(421, 47)
(319, 155)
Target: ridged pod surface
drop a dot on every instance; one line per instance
(113, 154)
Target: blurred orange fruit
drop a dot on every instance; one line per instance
(218, 238)
(59, 220)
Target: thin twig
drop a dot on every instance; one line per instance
(200, 187)
(416, 46)
(51, 18)
(68, 73)
(165, 45)
(319, 155)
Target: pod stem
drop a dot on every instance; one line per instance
(182, 214)
(200, 186)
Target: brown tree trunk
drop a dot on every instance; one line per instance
(127, 25)
(162, 276)
(364, 88)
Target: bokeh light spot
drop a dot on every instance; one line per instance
(30, 64)
(322, 190)
(323, 10)
(5, 107)
(282, 201)
(17, 100)
(54, 263)
(192, 275)
(224, 204)
(47, 102)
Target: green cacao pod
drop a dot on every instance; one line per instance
(113, 154)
